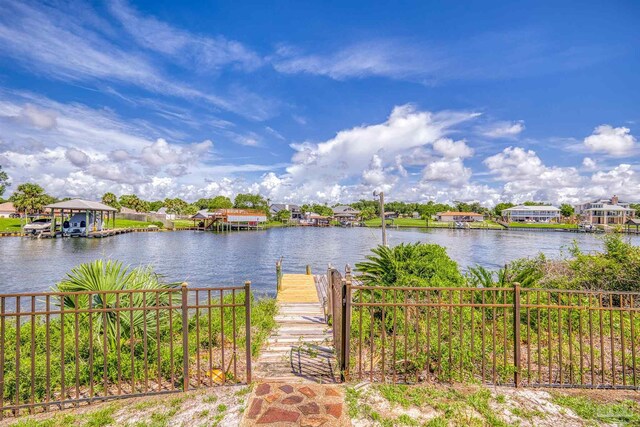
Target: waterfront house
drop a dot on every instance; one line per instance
(7, 210)
(524, 213)
(459, 217)
(316, 220)
(345, 213)
(296, 212)
(605, 211)
(162, 213)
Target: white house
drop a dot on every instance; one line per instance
(606, 211)
(162, 212)
(531, 214)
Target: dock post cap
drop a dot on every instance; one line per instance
(184, 284)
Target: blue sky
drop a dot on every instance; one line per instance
(506, 101)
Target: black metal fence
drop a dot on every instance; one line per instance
(63, 349)
(507, 336)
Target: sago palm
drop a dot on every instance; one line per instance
(100, 279)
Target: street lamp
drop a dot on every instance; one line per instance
(380, 196)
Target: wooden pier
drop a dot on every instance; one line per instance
(301, 349)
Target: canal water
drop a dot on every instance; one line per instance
(209, 259)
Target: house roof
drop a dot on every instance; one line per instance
(162, 211)
(201, 214)
(7, 207)
(344, 209)
(79, 204)
(532, 208)
(277, 207)
(127, 210)
(449, 213)
(314, 215)
(610, 208)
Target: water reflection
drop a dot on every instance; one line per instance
(228, 259)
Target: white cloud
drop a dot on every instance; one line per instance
(526, 177)
(189, 49)
(589, 163)
(72, 45)
(612, 141)
(451, 171)
(37, 117)
(77, 157)
(492, 55)
(503, 129)
(450, 148)
(385, 58)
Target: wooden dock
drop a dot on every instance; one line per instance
(301, 349)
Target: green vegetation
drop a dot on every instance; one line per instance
(626, 412)
(218, 202)
(410, 264)
(132, 201)
(135, 340)
(251, 201)
(130, 223)
(4, 182)
(30, 198)
(110, 199)
(467, 342)
(11, 224)
(422, 223)
(469, 407)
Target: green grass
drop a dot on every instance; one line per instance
(10, 224)
(542, 225)
(129, 223)
(626, 412)
(455, 407)
(421, 223)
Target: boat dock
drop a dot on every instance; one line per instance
(94, 234)
(301, 348)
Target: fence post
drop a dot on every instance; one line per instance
(247, 314)
(308, 270)
(516, 333)
(278, 274)
(185, 338)
(346, 329)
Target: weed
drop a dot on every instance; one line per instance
(626, 411)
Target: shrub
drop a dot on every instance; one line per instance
(410, 264)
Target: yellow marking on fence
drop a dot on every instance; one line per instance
(297, 288)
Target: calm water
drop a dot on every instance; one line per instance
(228, 259)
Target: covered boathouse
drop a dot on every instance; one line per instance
(82, 218)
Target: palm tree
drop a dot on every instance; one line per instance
(101, 278)
(111, 199)
(410, 264)
(30, 198)
(4, 181)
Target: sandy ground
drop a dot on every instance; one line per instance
(207, 407)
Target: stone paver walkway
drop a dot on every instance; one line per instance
(306, 405)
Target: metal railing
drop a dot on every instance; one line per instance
(500, 336)
(63, 349)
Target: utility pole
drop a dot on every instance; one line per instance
(384, 224)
